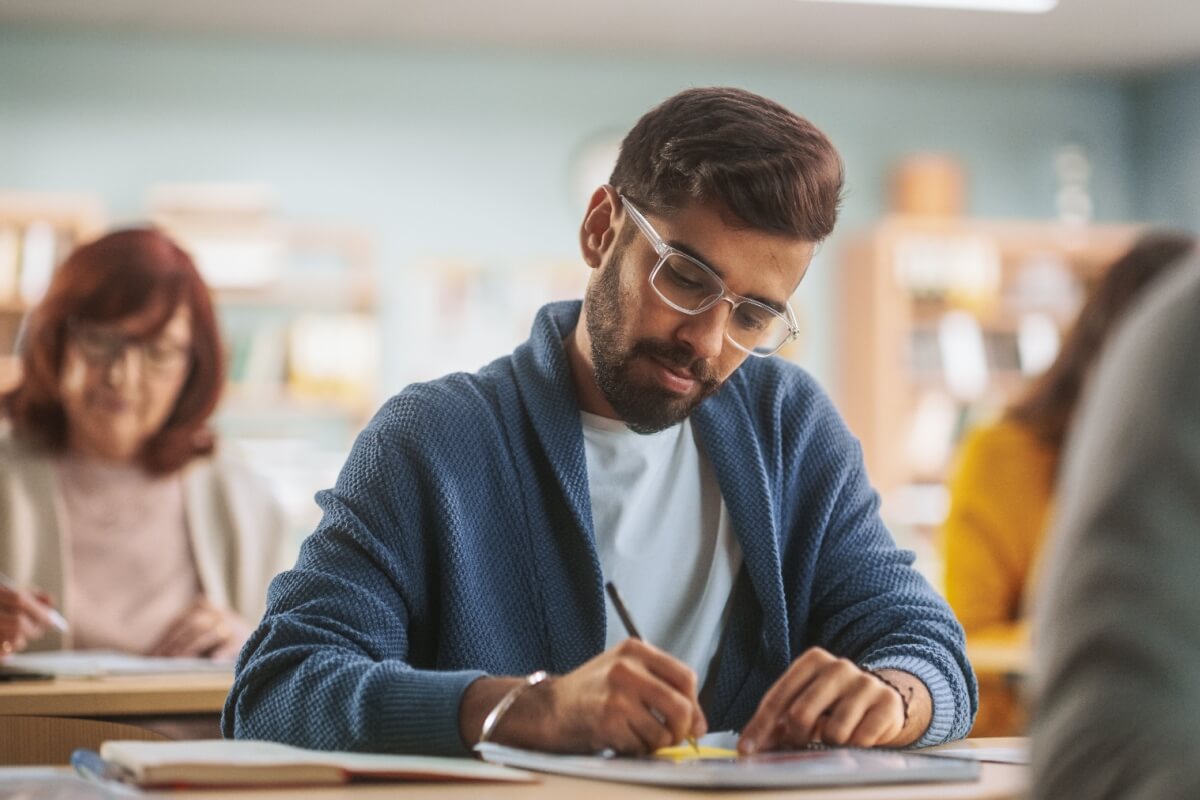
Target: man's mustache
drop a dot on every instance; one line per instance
(678, 356)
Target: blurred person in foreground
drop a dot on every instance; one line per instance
(1117, 622)
(115, 501)
(645, 436)
(1002, 492)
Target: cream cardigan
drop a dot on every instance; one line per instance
(236, 529)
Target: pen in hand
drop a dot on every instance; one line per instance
(632, 630)
(56, 619)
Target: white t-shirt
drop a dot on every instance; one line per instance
(664, 536)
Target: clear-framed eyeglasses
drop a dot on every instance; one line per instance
(691, 287)
(102, 346)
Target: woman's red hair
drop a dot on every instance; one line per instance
(126, 272)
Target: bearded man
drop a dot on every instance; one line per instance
(454, 589)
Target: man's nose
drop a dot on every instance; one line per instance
(705, 332)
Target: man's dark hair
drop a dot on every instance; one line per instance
(774, 171)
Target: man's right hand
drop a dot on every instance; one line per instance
(23, 618)
(632, 698)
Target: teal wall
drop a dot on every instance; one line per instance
(469, 155)
(1167, 147)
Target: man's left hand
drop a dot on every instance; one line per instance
(831, 700)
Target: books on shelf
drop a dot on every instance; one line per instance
(334, 356)
(10, 264)
(29, 255)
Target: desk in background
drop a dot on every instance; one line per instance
(141, 696)
(49, 718)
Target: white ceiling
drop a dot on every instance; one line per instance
(1078, 35)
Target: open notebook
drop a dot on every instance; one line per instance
(218, 762)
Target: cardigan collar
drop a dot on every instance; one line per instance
(725, 425)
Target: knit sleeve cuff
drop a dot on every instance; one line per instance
(422, 716)
(941, 721)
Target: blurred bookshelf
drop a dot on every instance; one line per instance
(37, 230)
(942, 321)
(297, 303)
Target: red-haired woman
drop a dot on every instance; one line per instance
(114, 500)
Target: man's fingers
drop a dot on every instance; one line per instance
(818, 697)
(662, 683)
(664, 666)
(761, 733)
(651, 732)
(678, 713)
(878, 726)
(857, 697)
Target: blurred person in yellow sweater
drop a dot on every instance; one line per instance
(1002, 489)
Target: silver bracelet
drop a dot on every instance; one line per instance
(493, 718)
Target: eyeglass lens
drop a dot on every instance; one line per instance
(690, 287)
(102, 347)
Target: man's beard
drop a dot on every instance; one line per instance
(644, 408)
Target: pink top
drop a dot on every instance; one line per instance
(131, 567)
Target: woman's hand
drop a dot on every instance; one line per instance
(23, 617)
(204, 630)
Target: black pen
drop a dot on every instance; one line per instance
(632, 630)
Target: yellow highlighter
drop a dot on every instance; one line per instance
(632, 630)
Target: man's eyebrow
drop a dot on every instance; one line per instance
(774, 305)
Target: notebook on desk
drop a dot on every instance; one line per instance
(220, 762)
(100, 663)
(828, 767)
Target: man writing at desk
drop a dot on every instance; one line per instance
(646, 437)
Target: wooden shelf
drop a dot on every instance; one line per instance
(880, 389)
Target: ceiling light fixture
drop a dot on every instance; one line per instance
(1013, 6)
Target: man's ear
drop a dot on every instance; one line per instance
(598, 232)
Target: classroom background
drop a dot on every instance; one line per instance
(381, 193)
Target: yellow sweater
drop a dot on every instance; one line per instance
(1000, 498)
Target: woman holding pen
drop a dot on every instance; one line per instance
(117, 509)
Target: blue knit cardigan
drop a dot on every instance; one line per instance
(458, 543)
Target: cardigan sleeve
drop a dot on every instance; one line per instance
(871, 605)
(331, 665)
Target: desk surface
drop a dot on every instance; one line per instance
(998, 782)
(143, 695)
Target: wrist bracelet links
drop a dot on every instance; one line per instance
(493, 717)
(899, 693)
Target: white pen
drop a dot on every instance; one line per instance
(56, 619)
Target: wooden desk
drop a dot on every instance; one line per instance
(997, 782)
(143, 695)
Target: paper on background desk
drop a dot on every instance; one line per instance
(100, 663)
(799, 768)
